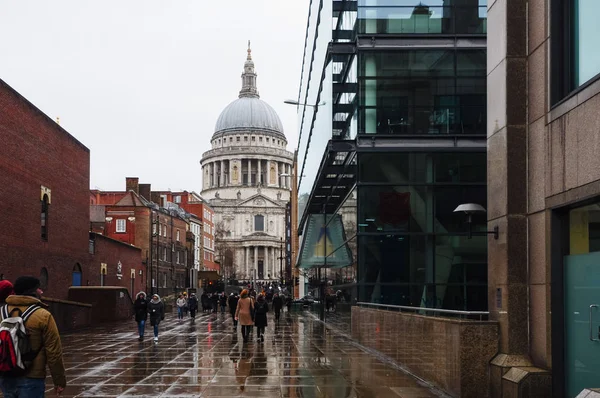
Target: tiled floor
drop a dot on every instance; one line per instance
(205, 359)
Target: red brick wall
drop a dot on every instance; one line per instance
(110, 252)
(35, 152)
(108, 303)
(69, 315)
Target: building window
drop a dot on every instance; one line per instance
(585, 33)
(121, 226)
(159, 230)
(260, 139)
(178, 199)
(267, 139)
(164, 254)
(259, 223)
(245, 139)
(165, 230)
(237, 139)
(44, 220)
(177, 235)
(253, 138)
(177, 258)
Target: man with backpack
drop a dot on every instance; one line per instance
(24, 374)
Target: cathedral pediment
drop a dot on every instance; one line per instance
(258, 200)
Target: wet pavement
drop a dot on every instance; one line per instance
(299, 358)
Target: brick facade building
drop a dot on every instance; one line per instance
(44, 182)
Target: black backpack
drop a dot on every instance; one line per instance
(261, 308)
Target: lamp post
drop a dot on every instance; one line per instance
(292, 102)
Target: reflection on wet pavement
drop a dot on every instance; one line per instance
(206, 359)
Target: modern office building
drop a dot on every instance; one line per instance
(392, 120)
(544, 191)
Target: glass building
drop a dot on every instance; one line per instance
(392, 121)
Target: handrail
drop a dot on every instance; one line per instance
(426, 309)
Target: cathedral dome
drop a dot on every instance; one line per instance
(249, 112)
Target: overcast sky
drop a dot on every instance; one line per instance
(141, 83)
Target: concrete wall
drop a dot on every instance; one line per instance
(452, 354)
(109, 303)
(69, 315)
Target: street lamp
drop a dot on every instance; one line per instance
(280, 261)
(473, 208)
(292, 102)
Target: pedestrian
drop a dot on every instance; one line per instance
(232, 302)
(141, 313)
(223, 302)
(243, 314)
(260, 316)
(277, 306)
(193, 305)
(43, 338)
(289, 304)
(185, 307)
(156, 308)
(215, 302)
(181, 303)
(204, 301)
(6, 289)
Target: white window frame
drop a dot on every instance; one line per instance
(121, 226)
(177, 257)
(177, 235)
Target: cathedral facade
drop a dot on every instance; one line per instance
(247, 178)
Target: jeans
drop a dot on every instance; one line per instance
(193, 312)
(22, 387)
(180, 312)
(155, 330)
(222, 309)
(141, 327)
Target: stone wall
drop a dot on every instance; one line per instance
(109, 303)
(69, 315)
(452, 354)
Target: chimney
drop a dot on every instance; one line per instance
(132, 184)
(145, 190)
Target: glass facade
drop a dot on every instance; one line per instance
(422, 92)
(586, 32)
(430, 17)
(413, 249)
(408, 101)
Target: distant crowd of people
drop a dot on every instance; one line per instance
(248, 309)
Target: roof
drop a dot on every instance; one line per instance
(249, 113)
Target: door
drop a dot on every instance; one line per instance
(582, 322)
(76, 279)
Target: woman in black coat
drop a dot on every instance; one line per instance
(156, 308)
(260, 316)
(140, 307)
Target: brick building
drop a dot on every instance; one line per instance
(44, 182)
(158, 229)
(114, 263)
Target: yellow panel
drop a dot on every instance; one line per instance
(579, 235)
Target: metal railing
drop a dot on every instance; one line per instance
(453, 313)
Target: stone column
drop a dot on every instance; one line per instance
(508, 295)
(256, 260)
(259, 161)
(246, 260)
(273, 262)
(277, 174)
(222, 162)
(249, 172)
(214, 171)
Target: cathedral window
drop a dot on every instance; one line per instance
(44, 218)
(237, 139)
(253, 138)
(259, 223)
(246, 139)
(260, 139)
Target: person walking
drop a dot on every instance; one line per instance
(223, 302)
(193, 305)
(44, 339)
(140, 307)
(156, 309)
(6, 289)
(205, 301)
(185, 307)
(232, 302)
(288, 303)
(243, 314)
(277, 306)
(181, 303)
(260, 316)
(215, 302)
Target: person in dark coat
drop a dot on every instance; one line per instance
(223, 302)
(277, 306)
(193, 305)
(204, 301)
(232, 302)
(140, 307)
(288, 303)
(156, 309)
(260, 316)
(214, 299)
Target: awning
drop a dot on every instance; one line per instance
(324, 243)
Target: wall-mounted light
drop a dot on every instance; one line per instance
(473, 208)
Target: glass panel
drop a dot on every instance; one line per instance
(399, 168)
(584, 229)
(587, 31)
(448, 198)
